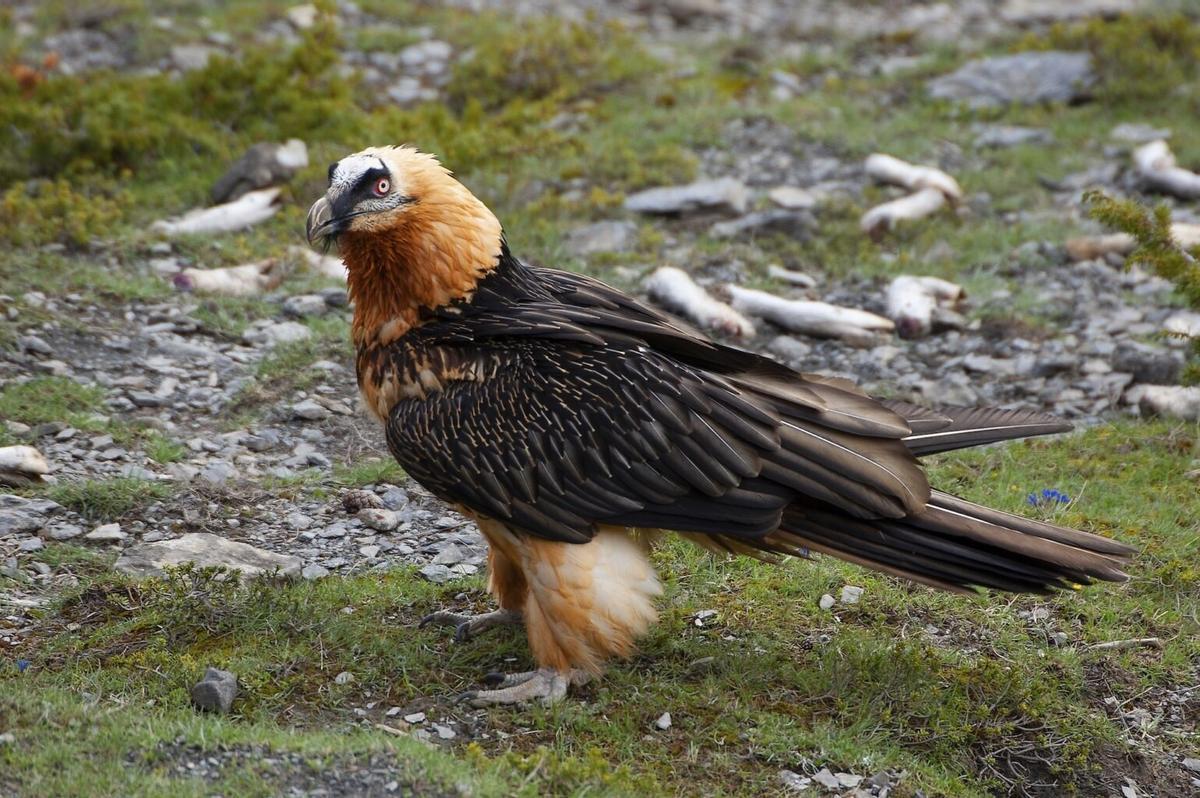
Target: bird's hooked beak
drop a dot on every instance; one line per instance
(321, 225)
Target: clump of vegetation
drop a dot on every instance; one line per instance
(41, 212)
(1137, 57)
(1156, 249)
(45, 399)
(103, 501)
(546, 59)
(67, 126)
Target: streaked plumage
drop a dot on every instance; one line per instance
(563, 414)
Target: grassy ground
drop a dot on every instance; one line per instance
(962, 694)
(965, 696)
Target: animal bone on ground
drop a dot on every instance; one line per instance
(246, 280)
(22, 465)
(245, 211)
(912, 302)
(809, 317)
(676, 291)
(932, 189)
(1155, 165)
(1092, 247)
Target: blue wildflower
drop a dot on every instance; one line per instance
(22, 664)
(1047, 498)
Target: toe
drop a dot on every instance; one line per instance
(462, 632)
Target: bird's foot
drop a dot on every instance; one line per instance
(467, 626)
(517, 688)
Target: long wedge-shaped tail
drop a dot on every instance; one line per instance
(956, 545)
(946, 429)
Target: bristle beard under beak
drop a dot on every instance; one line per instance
(320, 225)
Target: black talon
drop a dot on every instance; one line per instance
(494, 678)
(462, 632)
(467, 696)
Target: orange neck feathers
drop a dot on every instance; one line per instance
(424, 255)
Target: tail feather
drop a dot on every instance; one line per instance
(951, 428)
(956, 545)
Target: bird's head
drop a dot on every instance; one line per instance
(411, 236)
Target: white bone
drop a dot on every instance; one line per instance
(22, 465)
(245, 211)
(1091, 247)
(915, 206)
(1155, 164)
(675, 290)
(246, 280)
(887, 169)
(326, 265)
(812, 318)
(913, 300)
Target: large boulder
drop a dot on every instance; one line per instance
(1026, 78)
(205, 550)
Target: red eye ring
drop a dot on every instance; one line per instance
(382, 185)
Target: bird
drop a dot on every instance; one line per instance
(577, 426)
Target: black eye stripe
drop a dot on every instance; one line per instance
(366, 183)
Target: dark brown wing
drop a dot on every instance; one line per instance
(585, 407)
(578, 422)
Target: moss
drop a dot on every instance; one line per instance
(1138, 58)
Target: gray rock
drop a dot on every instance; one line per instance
(788, 349)
(1136, 133)
(792, 198)
(218, 473)
(314, 571)
(65, 532)
(282, 332)
(725, 195)
(106, 533)
(18, 522)
(310, 411)
(378, 519)
(205, 550)
(437, 573)
(851, 594)
(31, 343)
(1152, 364)
(190, 57)
(1031, 77)
(409, 91)
(609, 236)
(664, 721)
(827, 601)
(31, 544)
(797, 224)
(304, 305)
(215, 692)
(1002, 136)
(1192, 764)
(394, 498)
(298, 521)
(451, 555)
(825, 778)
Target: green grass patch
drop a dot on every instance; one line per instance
(769, 682)
(102, 501)
(44, 399)
(369, 471)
